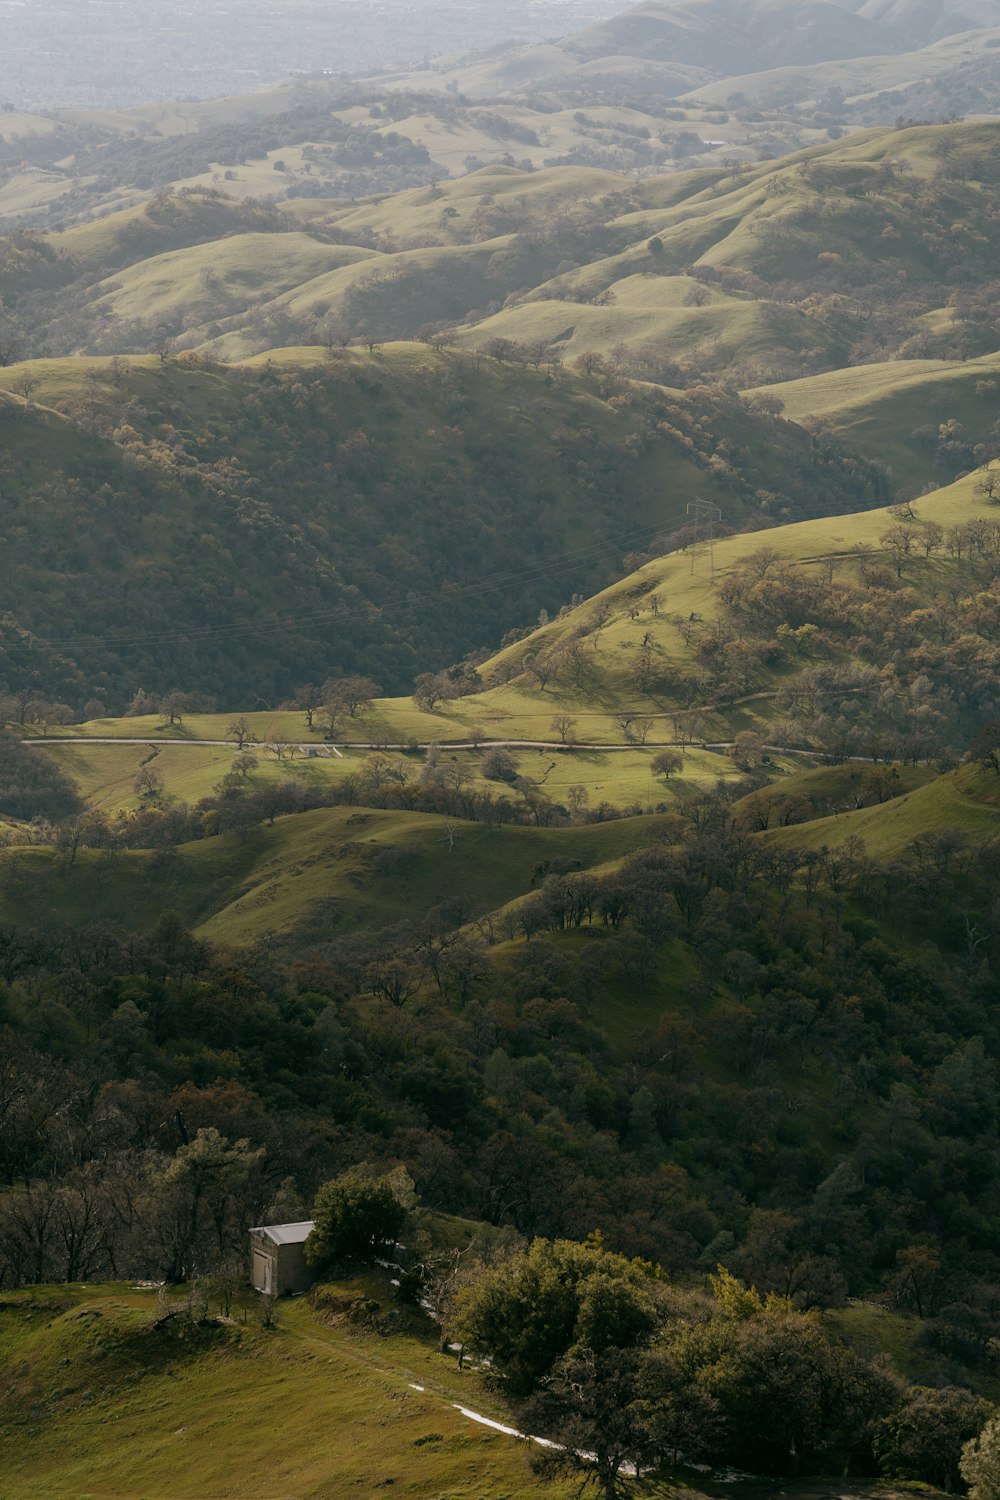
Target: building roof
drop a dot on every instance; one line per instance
(285, 1234)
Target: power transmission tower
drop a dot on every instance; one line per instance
(705, 516)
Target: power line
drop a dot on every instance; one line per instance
(488, 583)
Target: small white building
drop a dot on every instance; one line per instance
(279, 1259)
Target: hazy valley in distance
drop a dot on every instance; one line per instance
(130, 52)
(500, 750)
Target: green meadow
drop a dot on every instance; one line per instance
(106, 1403)
(337, 870)
(964, 802)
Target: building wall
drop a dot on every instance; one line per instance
(279, 1269)
(293, 1273)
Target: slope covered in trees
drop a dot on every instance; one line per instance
(239, 531)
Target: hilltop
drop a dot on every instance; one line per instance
(669, 44)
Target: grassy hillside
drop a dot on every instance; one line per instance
(120, 1405)
(964, 802)
(101, 1400)
(906, 412)
(596, 652)
(854, 251)
(798, 262)
(333, 871)
(207, 282)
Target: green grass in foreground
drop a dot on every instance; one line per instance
(100, 1403)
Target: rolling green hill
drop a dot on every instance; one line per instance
(963, 803)
(314, 140)
(674, 627)
(99, 1399)
(799, 263)
(876, 246)
(312, 876)
(925, 418)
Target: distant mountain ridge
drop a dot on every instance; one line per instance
(666, 40)
(724, 35)
(921, 22)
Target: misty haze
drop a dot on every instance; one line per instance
(110, 54)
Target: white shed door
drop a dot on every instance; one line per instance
(262, 1272)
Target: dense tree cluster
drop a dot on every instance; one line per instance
(312, 535)
(472, 1049)
(624, 1371)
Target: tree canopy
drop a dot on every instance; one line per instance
(357, 1216)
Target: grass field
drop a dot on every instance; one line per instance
(876, 408)
(337, 870)
(101, 1403)
(104, 774)
(966, 801)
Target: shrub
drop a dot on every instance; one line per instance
(356, 1217)
(499, 765)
